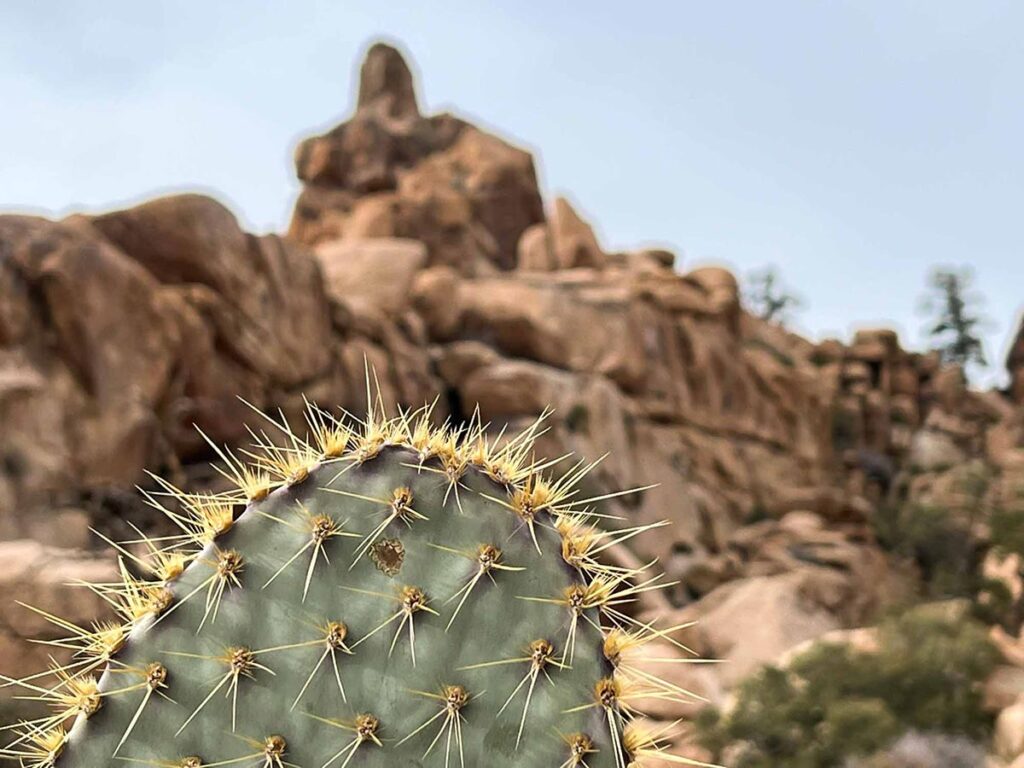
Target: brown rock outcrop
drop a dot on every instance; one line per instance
(374, 273)
(386, 84)
(89, 355)
(251, 311)
(40, 575)
(120, 332)
(1015, 365)
(566, 241)
(390, 172)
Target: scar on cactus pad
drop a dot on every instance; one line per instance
(376, 592)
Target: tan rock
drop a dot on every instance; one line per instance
(657, 257)
(389, 172)
(721, 287)
(857, 372)
(751, 622)
(950, 387)
(436, 296)
(518, 318)
(802, 522)
(144, 322)
(1011, 648)
(458, 360)
(875, 344)
(1003, 687)
(596, 331)
(675, 294)
(905, 410)
(100, 335)
(275, 319)
(484, 191)
(903, 380)
(535, 252)
(511, 388)
(34, 441)
(1008, 738)
(931, 450)
(596, 417)
(379, 272)
(106, 311)
(829, 351)
(707, 572)
(66, 528)
(39, 575)
(573, 241)
(1015, 364)
(385, 83)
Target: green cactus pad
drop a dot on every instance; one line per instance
(401, 597)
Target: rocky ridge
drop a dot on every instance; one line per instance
(422, 245)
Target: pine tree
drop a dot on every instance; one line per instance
(956, 328)
(768, 299)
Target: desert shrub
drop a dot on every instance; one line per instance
(994, 603)
(1007, 530)
(835, 702)
(940, 544)
(767, 298)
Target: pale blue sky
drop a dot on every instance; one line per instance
(853, 144)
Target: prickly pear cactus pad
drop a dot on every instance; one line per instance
(393, 594)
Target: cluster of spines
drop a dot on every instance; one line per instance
(450, 451)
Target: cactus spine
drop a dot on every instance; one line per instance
(395, 594)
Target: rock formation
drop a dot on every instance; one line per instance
(1015, 365)
(420, 244)
(390, 172)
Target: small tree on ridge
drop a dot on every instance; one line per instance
(768, 299)
(955, 330)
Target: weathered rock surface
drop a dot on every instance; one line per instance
(564, 242)
(1009, 734)
(390, 172)
(41, 576)
(121, 332)
(374, 273)
(1015, 365)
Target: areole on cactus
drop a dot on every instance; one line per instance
(376, 592)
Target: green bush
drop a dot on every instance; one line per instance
(1007, 530)
(995, 603)
(835, 702)
(940, 544)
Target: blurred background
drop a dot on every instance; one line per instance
(764, 255)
